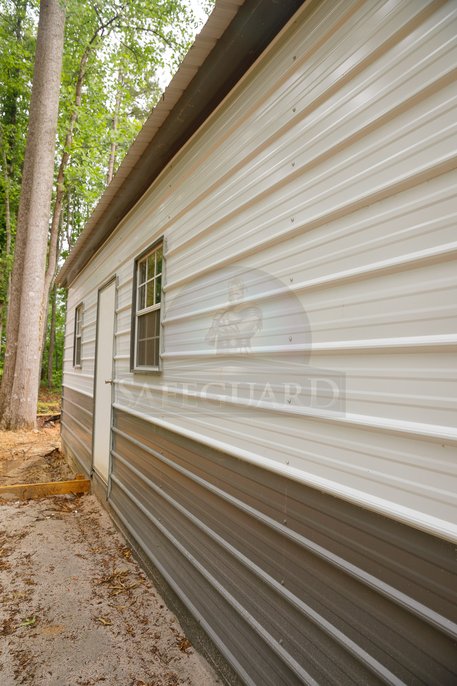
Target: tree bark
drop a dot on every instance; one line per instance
(7, 202)
(19, 392)
(66, 156)
(114, 125)
(60, 186)
(1, 325)
(6, 277)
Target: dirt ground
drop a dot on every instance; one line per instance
(75, 607)
(32, 456)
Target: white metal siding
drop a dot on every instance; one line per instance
(332, 168)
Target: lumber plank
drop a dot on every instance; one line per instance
(47, 488)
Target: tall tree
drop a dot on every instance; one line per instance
(17, 41)
(138, 34)
(19, 391)
(115, 55)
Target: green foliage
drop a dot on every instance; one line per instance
(122, 51)
(128, 46)
(17, 48)
(59, 324)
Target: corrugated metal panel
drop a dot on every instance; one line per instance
(81, 379)
(325, 183)
(326, 179)
(77, 425)
(294, 586)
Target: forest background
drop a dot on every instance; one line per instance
(118, 57)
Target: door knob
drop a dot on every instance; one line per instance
(108, 381)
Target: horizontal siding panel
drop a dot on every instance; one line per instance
(413, 388)
(77, 425)
(367, 611)
(325, 183)
(309, 238)
(386, 463)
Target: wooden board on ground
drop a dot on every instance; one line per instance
(44, 490)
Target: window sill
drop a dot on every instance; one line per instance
(147, 370)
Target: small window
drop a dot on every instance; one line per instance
(77, 338)
(147, 301)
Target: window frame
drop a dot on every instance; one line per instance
(157, 307)
(79, 318)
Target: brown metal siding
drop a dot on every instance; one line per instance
(294, 586)
(77, 423)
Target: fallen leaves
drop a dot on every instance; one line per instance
(28, 621)
(116, 581)
(183, 644)
(104, 620)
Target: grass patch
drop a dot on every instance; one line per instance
(49, 400)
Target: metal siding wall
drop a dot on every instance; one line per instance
(77, 422)
(333, 173)
(331, 168)
(294, 586)
(81, 379)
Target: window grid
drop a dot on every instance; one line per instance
(78, 337)
(148, 301)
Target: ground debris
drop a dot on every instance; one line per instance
(76, 609)
(183, 644)
(32, 457)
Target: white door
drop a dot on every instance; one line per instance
(103, 379)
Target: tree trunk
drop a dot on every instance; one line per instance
(113, 146)
(19, 392)
(60, 183)
(7, 202)
(60, 188)
(6, 277)
(1, 326)
(52, 338)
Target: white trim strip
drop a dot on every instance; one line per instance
(77, 390)
(418, 520)
(400, 344)
(435, 431)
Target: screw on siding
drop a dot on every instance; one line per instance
(291, 279)
(287, 462)
(284, 521)
(294, 109)
(282, 582)
(294, 57)
(289, 400)
(290, 339)
(292, 219)
(293, 164)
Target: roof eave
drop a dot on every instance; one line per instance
(234, 36)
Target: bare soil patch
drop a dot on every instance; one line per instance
(33, 456)
(77, 610)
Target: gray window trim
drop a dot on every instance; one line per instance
(79, 308)
(133, 336)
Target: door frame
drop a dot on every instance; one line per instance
(112, 279)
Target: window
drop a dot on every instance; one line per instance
(77, 336)
(147, 300)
